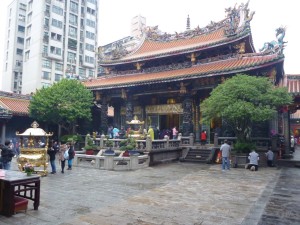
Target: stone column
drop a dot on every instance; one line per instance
(197, 121)
(286, 131)
(129, 110)
(104, 119)
(117, 115)
(187, 123)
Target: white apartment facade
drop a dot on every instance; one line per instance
(60, 42)
(11, 79)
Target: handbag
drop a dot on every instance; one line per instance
(66, 154)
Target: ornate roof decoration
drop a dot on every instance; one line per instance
(237, 21)
(275, 46)
(5, 113)
(225, 64)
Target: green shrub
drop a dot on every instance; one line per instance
(243, 147)
(71, 138)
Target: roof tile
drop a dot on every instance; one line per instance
(232, 64)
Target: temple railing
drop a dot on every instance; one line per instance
(148, 145)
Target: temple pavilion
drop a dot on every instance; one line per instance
(164, 79)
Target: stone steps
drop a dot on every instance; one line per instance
(198, 155)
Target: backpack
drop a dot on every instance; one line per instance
(66, 154)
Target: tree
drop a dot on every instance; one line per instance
(63, 104)
(242, 100)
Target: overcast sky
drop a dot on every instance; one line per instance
(170, 16)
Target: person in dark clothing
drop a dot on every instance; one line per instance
(71, 156)
(52, 152)
(6, 155)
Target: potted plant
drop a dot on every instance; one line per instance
(129, 145)
(109, 144)
(90, 146)
(28, 169)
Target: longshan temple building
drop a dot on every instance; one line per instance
(166, 77)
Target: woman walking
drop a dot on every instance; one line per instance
(71, 155)
(62, 157)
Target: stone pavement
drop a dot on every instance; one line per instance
(168, 194)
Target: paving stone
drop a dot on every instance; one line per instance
(168, 194)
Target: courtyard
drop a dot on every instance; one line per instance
(170, 194)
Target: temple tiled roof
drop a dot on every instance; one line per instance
(236, 64)
(150, 49)
(17, 104)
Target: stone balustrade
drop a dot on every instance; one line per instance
(111, 162)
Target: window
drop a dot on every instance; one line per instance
(54, 50)
(89, 59)
(90, 23)
(46, 22)
(28, 42)
(29, 17)
(19, 51)
(71, 57)
(57, 37)
(21, 29)
(18, 63)
(46, 64)
(74, 7)
(56, 23)
(81, 72)
(28, 30)
(72, 32)
(73, 20)
(58, 77)
(20, 40)
(21, 18)
(57, 10)
(46, 75)
(90, 11)
(45, 49)
(30, 5)
(91, 73)
(16, 75)
(90, 35)
(89, 47)
(58, 67)
(27, 54)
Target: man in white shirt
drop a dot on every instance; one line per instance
(225, 149)
(270, 157)
(253, 158)
(292, 144)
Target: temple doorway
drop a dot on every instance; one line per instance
(168, 121)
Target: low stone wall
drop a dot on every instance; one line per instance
(111, 162)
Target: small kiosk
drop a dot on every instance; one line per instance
(33, 149)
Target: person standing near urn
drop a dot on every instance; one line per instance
(6, 155)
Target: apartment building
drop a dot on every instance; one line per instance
(11, 76)
(59, 42)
